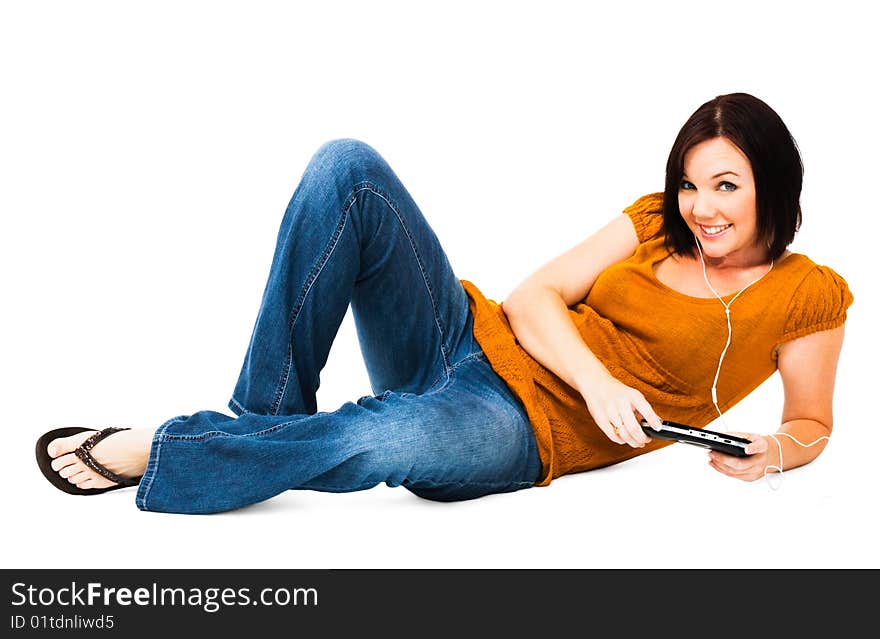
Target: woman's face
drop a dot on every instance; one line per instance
(716, 198)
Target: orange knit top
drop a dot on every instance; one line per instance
(659, 341)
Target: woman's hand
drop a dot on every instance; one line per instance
(618, 409)
(763, 453)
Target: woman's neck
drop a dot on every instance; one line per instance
(752, 258)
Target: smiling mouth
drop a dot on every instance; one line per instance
(711, 231)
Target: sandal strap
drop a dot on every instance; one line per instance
(82, 452)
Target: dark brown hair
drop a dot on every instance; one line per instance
(761, 135)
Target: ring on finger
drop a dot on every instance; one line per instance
(616, 430)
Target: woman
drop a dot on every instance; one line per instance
(677, 309)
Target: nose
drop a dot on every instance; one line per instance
(702, 209)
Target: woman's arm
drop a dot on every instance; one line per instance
(808, 367)
(537, 310)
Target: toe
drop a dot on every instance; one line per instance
(64, 445)
(79, 478)
(57, 447)
(65, 460)
(90, 482)
(71, 470)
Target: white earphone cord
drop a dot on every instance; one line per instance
(721, 359)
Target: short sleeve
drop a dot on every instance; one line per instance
(646, 214)
(819, 304)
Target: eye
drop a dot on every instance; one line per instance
(730, 184)
(685, 185)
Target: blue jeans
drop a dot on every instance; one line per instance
(441, 422)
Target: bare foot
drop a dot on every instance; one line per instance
(125, 453)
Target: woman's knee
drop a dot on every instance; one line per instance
(348, 156)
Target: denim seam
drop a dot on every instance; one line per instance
(373, 188)
(319, 267)
(297, 307)
(223, 433)
(238, 404)
(464, 360)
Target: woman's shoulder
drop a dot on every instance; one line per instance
(820, 296)
(648, 203)
(646, 213)
(812, 274)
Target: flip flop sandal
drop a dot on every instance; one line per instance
(44, 461)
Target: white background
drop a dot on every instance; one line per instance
(148, 151)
